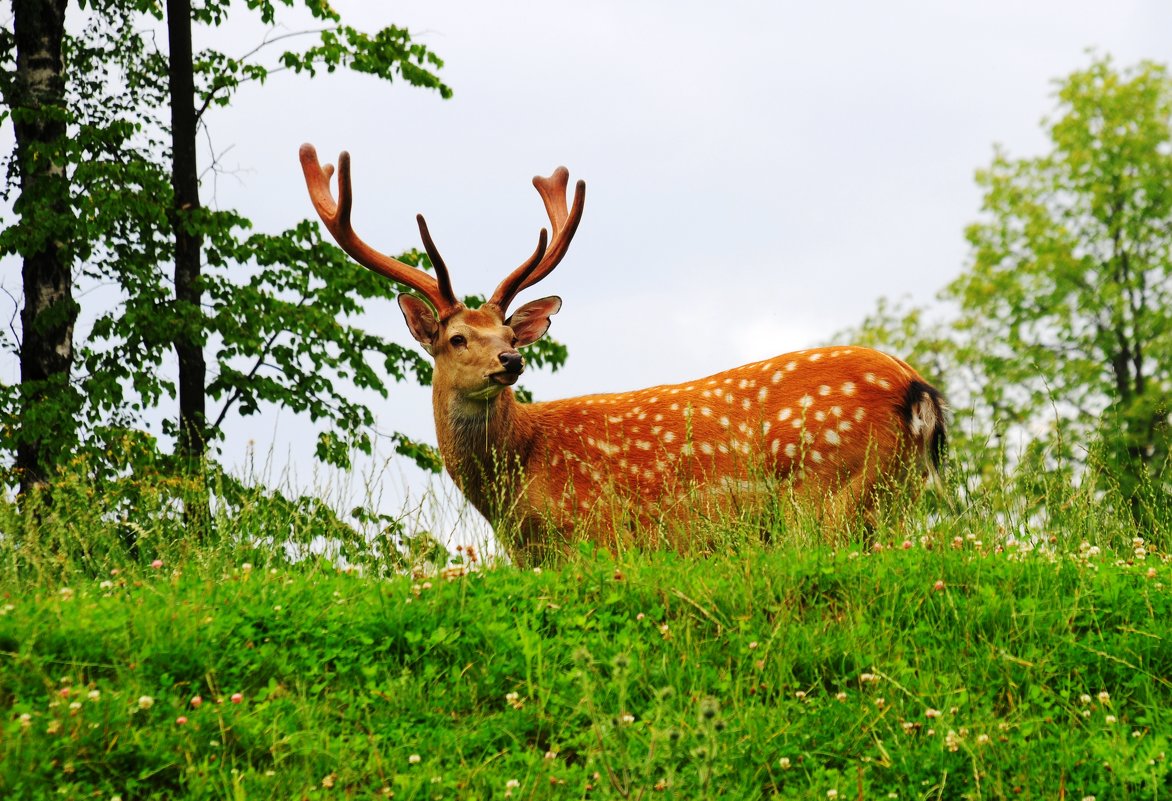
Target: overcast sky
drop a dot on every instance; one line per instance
(758, 173)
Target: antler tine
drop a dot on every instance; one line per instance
(441, 270)
(336, 216)
(564, 225)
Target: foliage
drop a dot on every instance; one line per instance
(1064, 335)
(950, 662)
(279, 313)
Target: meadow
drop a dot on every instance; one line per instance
(970, 653)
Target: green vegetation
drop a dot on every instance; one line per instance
(938, 661)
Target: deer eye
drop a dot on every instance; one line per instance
(458, 341)
(515, 341)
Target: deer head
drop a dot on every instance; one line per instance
(475, 350)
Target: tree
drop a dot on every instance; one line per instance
(1064, 336)
(1068, 302)
(265, 315)
(33, 90)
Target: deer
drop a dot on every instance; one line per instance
(837, 426)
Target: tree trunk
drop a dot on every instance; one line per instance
(48, 402)
(189, 328)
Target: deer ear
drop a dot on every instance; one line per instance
(420, 321)
(531, 321)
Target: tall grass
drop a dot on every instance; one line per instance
(300, 651)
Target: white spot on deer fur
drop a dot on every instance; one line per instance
(836, 411)
(820, 416)
(675, 407)
(675, 390)
(724, 421)
(728, 380)
(608, 448)
(658, 417)
(784, 414)
(590, 441)
(776, 377)
(643, 445)
(743, 383)
(746, 403)
(844, 425)
(834, 354)
(653, 399)
(798, 422)
(722, 448)
(589, 401)
(668, 436)
(860, 413)
(655, 430)
(775, 446)
(704, 410)
(706, 393)
(816, 457)
(806, 401)
(712, 382)
(686, 449)
(814, 357)
(883, 382)
(807, 437)
(869, 378)
(615, 419)
(831, 437)
(791, 366)
(706, 447)
(765, 427)
(791, 450)
(762, 394)
(848, 388)
(718, 392)
(824, 390)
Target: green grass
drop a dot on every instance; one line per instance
(958, 666)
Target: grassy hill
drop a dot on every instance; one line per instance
(948, 663)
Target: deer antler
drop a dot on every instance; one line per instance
(564, 223)
(336, 216)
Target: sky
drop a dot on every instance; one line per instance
(758, 174)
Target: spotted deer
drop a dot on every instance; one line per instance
(833, 426)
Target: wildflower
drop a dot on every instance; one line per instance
(66, 594)
(181, 721)
(328, 781)
(832, 793)
(196, 701)
(414, 759)
(512, 784)
(665, 631)
(939, 585)
(26, 720)
(982, 739)
(907, 545)
(1104, 697)
(1151, 572)
(753, 645)
(880, 702)
(157, 564)
(627, 718)
(63, 692)
(53, 727)
(105, 585)
(237, 698)
(514, 700)
(840, 696)
(551, 755)
(952, 741)
(74, 707)
(868, 678)
(537, 571)
(1084, 698)
(784, 762)
(145, 702)
(1110, 719)
(247, 568)
(640, 616)
(800, 695)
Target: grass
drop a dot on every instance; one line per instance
(943, 661)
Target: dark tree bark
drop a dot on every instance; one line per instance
(189, 331)
(37, 100)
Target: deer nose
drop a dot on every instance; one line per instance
(512, 361)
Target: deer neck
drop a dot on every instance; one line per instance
(485, 445)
